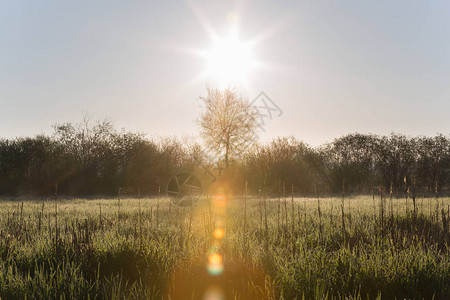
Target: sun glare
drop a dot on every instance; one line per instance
(229, 60)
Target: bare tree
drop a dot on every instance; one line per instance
(228, 123)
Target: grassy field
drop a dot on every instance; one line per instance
(225, 248)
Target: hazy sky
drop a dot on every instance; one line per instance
(333, 67)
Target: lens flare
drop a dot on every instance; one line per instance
(219, 204)
(215, 265)
(213, 293)
(218, 233)
(215, 259)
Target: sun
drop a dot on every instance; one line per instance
(229, 61)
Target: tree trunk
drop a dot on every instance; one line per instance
(227, 149)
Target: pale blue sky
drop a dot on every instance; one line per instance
(335, 66)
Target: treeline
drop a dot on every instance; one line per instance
(84, 159)
(355, 163)
(87, 160)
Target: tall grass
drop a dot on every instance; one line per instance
(74, 251)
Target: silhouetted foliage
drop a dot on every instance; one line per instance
(92, 158)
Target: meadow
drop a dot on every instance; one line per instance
(224, 247)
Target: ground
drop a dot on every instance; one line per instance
(225, 248)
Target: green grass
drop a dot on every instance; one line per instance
(142, 251)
